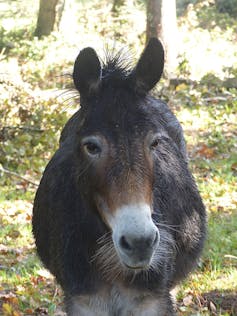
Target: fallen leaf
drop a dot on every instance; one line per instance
(28, 217)
(188, 300)
(181, 87)
(29, 311)
(36, 280)
(13, 300)
(44, 273)
(234, 166)
(212, 307)
(206, 151)
(3, 249)
(14, 234)
(7, 309)
(41, 311)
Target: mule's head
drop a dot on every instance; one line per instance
(117, 148)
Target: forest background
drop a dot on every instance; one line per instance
(37, 97)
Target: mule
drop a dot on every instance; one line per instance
(117, 218)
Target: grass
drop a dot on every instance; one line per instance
(211, 139)
(31, 118)
(23, 278)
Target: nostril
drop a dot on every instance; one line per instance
(124, 244)
(152, 241)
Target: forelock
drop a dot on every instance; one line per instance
(116, 68)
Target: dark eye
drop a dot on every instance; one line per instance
(92, 145)
(154, 144)
(92, 149)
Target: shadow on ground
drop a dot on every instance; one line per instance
(225, 301)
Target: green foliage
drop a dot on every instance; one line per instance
(208, 114)
(227, 6)
(208, 39)
(182, 5)
(28, 124)
(9, 39)
(183, 68)
(221, 228)
(208, 15)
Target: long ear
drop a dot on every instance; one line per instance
(149, 67)
(87, 71)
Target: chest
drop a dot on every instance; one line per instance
(117, 301)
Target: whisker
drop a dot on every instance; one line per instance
(104, 238)
(116, 275)
(171, 227)
(111, 269)
(84, 170)
(134, 274)
(66, 92)
(66, 100)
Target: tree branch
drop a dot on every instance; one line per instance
(12, 173)
(23, 128)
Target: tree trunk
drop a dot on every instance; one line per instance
(161, 22)
(153, 22)
(46, 17)
(59, 12)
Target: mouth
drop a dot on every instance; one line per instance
(138, 268)
(139, 265)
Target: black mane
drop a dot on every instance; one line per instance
(116, 67)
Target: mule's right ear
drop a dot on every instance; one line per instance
(87, 72)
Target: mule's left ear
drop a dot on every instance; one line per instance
(149, 67)
(87, 71)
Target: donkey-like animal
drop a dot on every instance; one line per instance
(117, 217)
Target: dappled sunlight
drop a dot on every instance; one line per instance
(222, 280)
(91, 27)
(15, 16)
(195, 120)
(215, 289)
(207, 50)
(16, 211)
(205, 53)
(219, 198)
